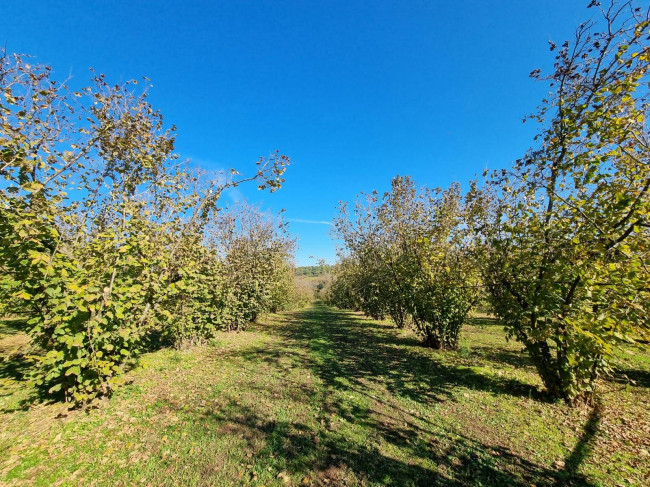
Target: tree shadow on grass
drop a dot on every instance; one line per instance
(12, 326)
(13, 378)
(14, 367)
(501, 356)
(321, 453)
(324, 456)
(350, 349)
(484, 321)
(346, 353)
(14, 343)
(15, 370)
(584, 446)
(634, 377)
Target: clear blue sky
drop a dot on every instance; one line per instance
(354, 92)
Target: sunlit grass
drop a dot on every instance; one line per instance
(324, 397)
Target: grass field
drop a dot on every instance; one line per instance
(325, 397)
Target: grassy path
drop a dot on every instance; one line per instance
(324, 397)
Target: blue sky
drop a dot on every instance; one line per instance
(354, 92)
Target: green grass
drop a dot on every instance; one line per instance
(325, 397)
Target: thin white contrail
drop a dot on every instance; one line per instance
(299, 220)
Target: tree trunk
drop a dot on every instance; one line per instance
(547, 367)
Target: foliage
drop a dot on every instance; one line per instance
(102, 230)
(409, 258)
(566, 231)
(256, 265)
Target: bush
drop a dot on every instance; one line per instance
(409, 257)
(103, 232)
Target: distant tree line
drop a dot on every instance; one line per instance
(313, 270)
